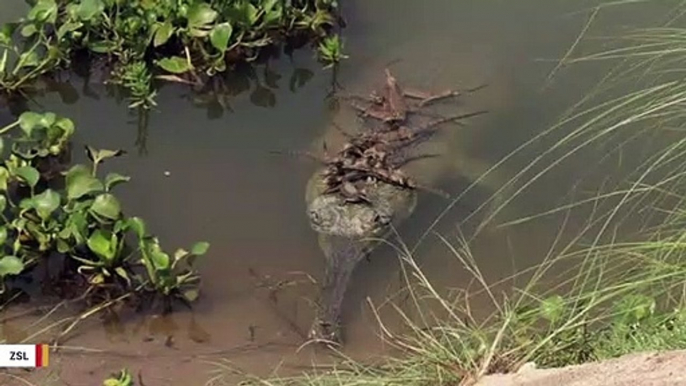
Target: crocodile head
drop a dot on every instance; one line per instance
(346, 235)
(332, 215)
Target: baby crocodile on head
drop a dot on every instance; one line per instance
(361, 194)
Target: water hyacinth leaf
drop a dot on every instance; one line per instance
(28, 174)
(106, 205)
(66, 124)
(88, 9)
(11, 265)
(80, 182)
(76, 227)
(160, 260)
(3, 235)
(180, 254)
(123, 274)
(97, 279)
(28, 30)
(220, 36)
(99, 155)
(3, 63)
(200, 14)
(6, 32)
(62, 246)
(3, 203)
(68, 27)
(47, 119)
(244, 13)
(29, 59)
(28, 121)
(200, 248)
(174, 64)
(46, 203)
(102, 244)
(4, 177)
(552, 308)
(114, 179)
(43, 11)
(163, 33)
(102, 46)
(138, 226)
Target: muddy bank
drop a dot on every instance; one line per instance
(647, 369)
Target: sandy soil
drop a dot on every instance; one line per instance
(644, 369)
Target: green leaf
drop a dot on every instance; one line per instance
(3, 235)
(68, 27)
(88, 9)
(114, 179)
(138, 226)
(43, 11)
(180, 254)
(6, 32)
(29, 174)
(101, 243)
(3, 63)
(11, 265)
(4, 177)
(106, 205)
(200, 14)
(80, 182)
(220, 36)
(46, 203)
(200, 248)
(28, 30)
(174, 64)
(67, 126)
(63, 246)
(160, 259)
(3, 203)
(123, 274)
(29, 121)
(96, 279)
(47, 119)
(99, 155)
(163, 33)
(102, 46)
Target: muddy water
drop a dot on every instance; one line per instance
(201, 174)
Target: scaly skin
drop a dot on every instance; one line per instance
(344, 231)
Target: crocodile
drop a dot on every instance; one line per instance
(362, 193)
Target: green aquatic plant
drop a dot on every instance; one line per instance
(137, 79)
(331, 50)
(51, 209)
(124, 378)
(181, 39)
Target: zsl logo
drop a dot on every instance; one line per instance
(18, 356)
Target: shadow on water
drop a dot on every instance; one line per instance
(201, 169)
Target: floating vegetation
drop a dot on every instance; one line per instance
(179, 40)
(59, 215)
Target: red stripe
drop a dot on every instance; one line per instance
(39, 355)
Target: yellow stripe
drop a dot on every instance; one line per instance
(46, 352)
